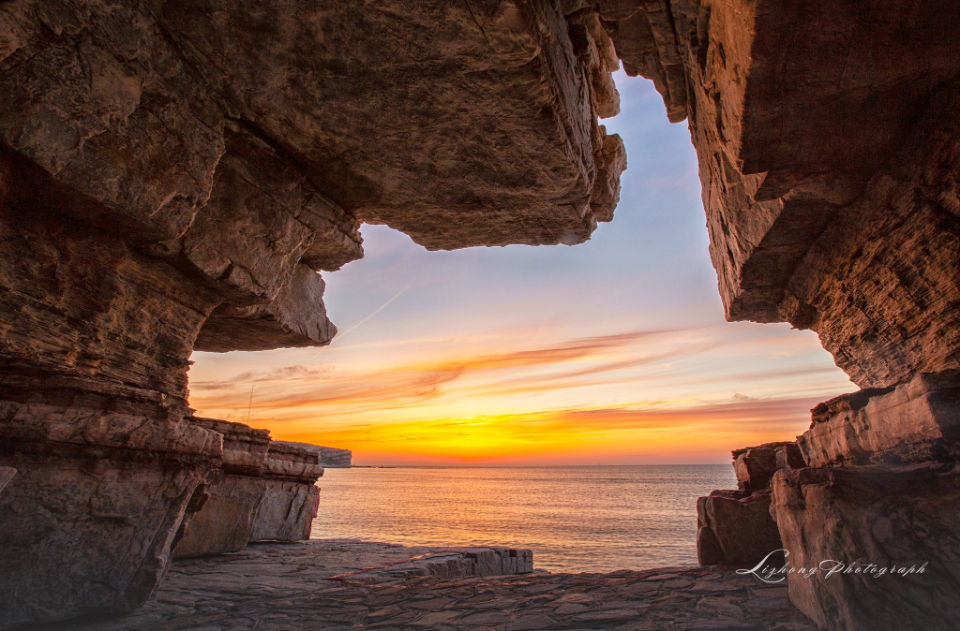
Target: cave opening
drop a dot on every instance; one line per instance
(611, 352)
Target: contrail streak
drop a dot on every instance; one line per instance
(373, 313)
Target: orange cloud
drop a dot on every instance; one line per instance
(296, 386)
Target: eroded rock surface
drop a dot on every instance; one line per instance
(755, 466)
(912, 422)
(225, 520)
(101, 488)
(734, 529)
(891, 516)
(881, 495)
(828, 155)
(174, 175)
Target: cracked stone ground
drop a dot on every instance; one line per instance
(341, 584)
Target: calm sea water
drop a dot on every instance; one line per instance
(575, 519)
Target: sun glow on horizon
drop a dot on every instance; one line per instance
(450, 408)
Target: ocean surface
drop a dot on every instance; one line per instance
(575, 519)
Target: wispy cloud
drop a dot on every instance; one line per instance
(313, 385)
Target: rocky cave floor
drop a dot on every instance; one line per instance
(346, 584)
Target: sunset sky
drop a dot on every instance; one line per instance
(613, 351)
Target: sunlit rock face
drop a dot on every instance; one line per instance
(267, 492)
(173, 176)
(913, 422)
(290, 499)
(225, 519)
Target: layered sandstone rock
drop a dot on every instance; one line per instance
(333, 457)
(912, 422)
(828, 154)
(881, 496)
(267, 492)
(101, 488)
(735, 529)
(755, 466)
(225, 521)
(174, 175)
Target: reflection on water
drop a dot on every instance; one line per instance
(576, 519)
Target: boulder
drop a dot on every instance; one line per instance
(883, 542)
(754, 466)
(733, 529)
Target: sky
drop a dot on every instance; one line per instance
(614, 351)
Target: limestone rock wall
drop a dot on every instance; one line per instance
(333, 457)
(224, 521)
(828, 147)
(896, 524)
(913, 422)
(329, 456)
(100, 490)
(880, 495)
(873, 515)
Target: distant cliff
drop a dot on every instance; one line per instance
(329, 456)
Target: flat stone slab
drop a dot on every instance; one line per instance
(344, 584)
